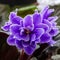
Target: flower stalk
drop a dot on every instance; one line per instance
(24, 56)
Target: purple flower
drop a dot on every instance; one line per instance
(27, 32)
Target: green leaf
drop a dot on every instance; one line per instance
(26, 10)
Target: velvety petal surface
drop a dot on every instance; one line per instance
(11, 40)
(47, 23)
(49, 12)
(25, 44)
(12, 15)
(14, 29)
(33, 37)
(6, 27)
(28, 22)
(16, 20)
(30, 49)
(42, 25)
(39, 32)
(52, 19)
(22, 37)
(37, 19)
(44, 11)
(54, 31)
(45, 38)
(19, 44)
(25, 37)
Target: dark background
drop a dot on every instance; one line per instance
(17, 2)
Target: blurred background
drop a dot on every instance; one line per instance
(23, 7)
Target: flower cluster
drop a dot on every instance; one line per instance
(27, 32)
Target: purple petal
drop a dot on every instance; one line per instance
(36, 19)
(45, 38)
(17, 36)
(25, 44)
(52, 42)
(30, 49)
(47, 23)
(12, 15)
(44, 26)
(30, 27)
(22, 37)
(6, 26)
(25, 37)
(39, 32)
(16, 20)
(19, 44)
(33, 37)
(37, 40)
(49, 12)
(52, 19)
(21, 23)
(54, 31)
(28, 21)
(11, 40)
(14, 29)
(44, 11)
(54, 24)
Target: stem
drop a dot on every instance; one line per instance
(23, 56)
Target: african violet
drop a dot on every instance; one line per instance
(33, 29)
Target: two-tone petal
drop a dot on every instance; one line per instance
(45, 38)
(54, 31)
(14, 29)
(11, 40)
(28, 22)
(37, 19)
(39, 32)
(19, 44)
(30, 49)
(43, 26)
(6, 27)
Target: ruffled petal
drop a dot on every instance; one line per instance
(37, 40)
(54, 32)
(14, 29)
(19, 44)
(11, 40)
(12, 15)
(30, 27)
(6, 27)
(42, 25)
(54, 24)
(22, 37)
(30, 49)
(25, 44)
(25, 37)
(52, 19)
(13, 18)
(45, 38)
(32, 37)
(37, 19)
(49, 12)
(17, 32)
(39, 32)
(28, 22)
(44, 11)
(16, 20)
(47, 23)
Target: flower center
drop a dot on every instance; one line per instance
(27, 31)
